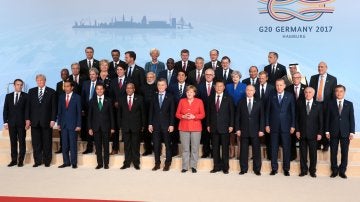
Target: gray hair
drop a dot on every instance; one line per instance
(94, 70)
(236, 73)
(155, 50)
(40, 76)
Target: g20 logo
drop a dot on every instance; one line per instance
(285, 10)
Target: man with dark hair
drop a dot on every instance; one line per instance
(88, 63)
(115, 54)
(185, 64)
(340, 128)
(224, 73)
(170, 74)
(76, 78)
(275, 70)
(196, 76)
(253, 79)
(135, 74)
(16, 120)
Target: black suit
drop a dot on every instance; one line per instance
(101, 121)
(161, 117)
(41, 113)
(247, 81)
(15, 115)
(190, 65)
(219, 75)
(147, 92)
(77, 86)
(85, 100)
(137, 77)
(250, 125)
(339, 125)
(164, 74)
(309, 125)
(328, 94)
(131, 123)
(113, 67)
(219, 123)
(208, 65)
(278, 74)
(301, 96)
(84, 67)
(267, 92)
(192, 77)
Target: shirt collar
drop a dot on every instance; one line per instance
(102, 97)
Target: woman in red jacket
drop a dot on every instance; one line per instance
(190, 111)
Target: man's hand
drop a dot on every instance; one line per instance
(171, 129)
(112, 131)
(91, 132)
(261, 134)
(351, 136)
(231, 129)
(319, 137)
(328, 135)
(77, 129)
(150, 128)
(298, 135)
(238, 133)
(208, 129)
(267, 129)
(292, 130)
(6, 126)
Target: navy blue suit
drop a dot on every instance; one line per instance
(164, 74)
(280, 117)
(68, 119)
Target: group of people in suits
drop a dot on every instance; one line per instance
(189, 102)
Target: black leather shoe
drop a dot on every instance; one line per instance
(257, 173)
(302, 174)
(333, 174)
(74, 166)
(12, 163)
(47, 165)
(87, 151)
(242, 172)
(64, 166)
(342, 175)
(193, 170)
(156, 167)
(313, 175)
(137, 167)
(36, 165)
(124, 167)
(20, 164)
(106, 167)
(146, 153)
(58, 151)
(273, 172)
(183, 170)
(205, 155)
(225, 171)
(167, 167)
(99, 166)
(325, 149)
(286, 173)
(214, 171)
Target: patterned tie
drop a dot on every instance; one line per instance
(16, 98)
(92, 89)
(40, 95)
(213, 65)
(67, 101)
(217, 104)
(130, 103)
(160, 100)
(180, 90)
(249, 106)
(308, 108)
(319, 96)
(340, 107)
(100, 104)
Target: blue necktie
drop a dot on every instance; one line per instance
(160, 100)
(280, 99)
(92, 89)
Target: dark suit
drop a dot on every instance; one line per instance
(291, 89)
(164, 75)
(59, 92)
(192, 76)
(15, 115)
(280, 117)
(190, 65)
(137, 77)
(267, 92)
(278, 74)
(219, 123)
(113, 67)
(77, 86)
(219, 75)
(41, 114)
(250, 125)
(247, 81)
(309, 126)
(68, 119)
(339, 126)
(101, 121)
(328, 94)
(147, 92)
(84, 67)
(131, 123)
(208, 65)
(161, 118)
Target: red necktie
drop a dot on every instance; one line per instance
(184, 67)
(120, 83)
(130, 103)
(217, 104)
(67, 101)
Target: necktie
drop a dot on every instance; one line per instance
(129, 73)
(280, 99)
(340, 107)
(40, 95)
(77, 79)
(208, 89)
(225, 78)
(92, 89)
(184, 66)
(89, 64)
(67, 101)
(198, 77)
(180, 90)
(169, 77)
(319, 95)
(120, 83)
(16, 98)
(130, 103)
(296, 92)
(213, 65)
(249, 106)
(160, 100)
(63, 86)
(252, 82)
(217, 104)
(308, 108)
(272, 69)
(262, 93)
(100, 104)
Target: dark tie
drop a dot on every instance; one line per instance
(100, 104)
(169, 77)
(129, 73)
(249, 106)
(184, 66)
(198, 77)
(272, 69)
(217, 104)
(130, 104)
(180, 90)
(280, 99)
(40, 95)
(340, 107)
(16, 98)
(296, 92)
(262, 91)
(160, 100)
(120, 83)
(308, 108)
(89, 64)
(225, 78)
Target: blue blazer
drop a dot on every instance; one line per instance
(69, 118)
(160, 66)
(280, 117)
(236, 94)
(85, 93)
(173, 79)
